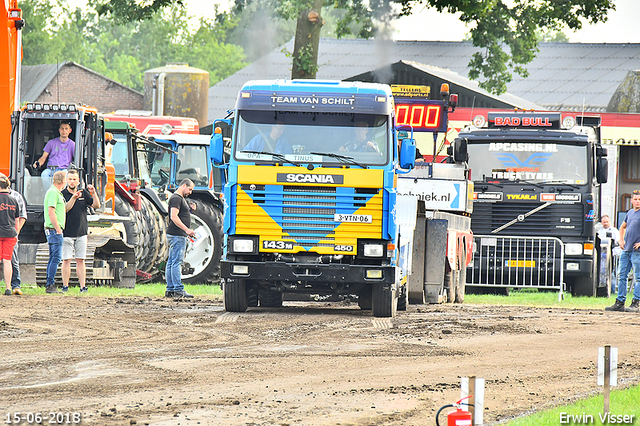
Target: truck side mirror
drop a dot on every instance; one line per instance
(408, 154)
(460, 150)
(216, 147)
(602, 170)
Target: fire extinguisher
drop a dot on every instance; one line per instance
(458, 417)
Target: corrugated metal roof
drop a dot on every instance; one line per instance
(563, 74)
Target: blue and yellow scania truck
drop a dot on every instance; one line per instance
(311, 206)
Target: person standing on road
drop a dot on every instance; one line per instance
(630, 244)
(75, 237)
(15, 262)
(54, 221)
(177, 233)
(9, 213)
(609, 235)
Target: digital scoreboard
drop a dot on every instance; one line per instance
(422, 114)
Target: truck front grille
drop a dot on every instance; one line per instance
(554, 220)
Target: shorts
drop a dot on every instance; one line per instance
(6, 247)
(74, 245)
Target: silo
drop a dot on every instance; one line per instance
(178, 90)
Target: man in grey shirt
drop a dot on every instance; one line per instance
(15, 264)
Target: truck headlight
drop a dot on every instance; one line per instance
(373, 250)
(573, 249)
(243, 246)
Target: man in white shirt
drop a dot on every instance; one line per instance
(610, 235)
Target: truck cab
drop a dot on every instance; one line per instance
(537, 195)
(310, 204)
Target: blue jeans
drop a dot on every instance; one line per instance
(55, 254)
(627, 259)
(47, 176)
(177, 247)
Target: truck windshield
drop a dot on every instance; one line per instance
(529, 161)
(296, 135)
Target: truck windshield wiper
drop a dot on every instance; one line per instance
(486, 180)
(530, 182)
(276, 155)
(552, 182)
(342, 158)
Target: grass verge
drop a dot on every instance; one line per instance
(589, 411)
(541, 299)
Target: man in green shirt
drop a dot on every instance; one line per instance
(54, 218)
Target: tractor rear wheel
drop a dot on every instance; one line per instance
(204, 255)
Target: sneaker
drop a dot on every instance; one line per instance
(617, 306)
(182, 295)
(7, 292)
(17, 291)
(634, 306)
(52, 289)
(84, 290)
(65, 288)
(168, 293)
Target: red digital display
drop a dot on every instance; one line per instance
(423, 116)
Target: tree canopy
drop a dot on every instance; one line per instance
(123, 51)
(507, 32)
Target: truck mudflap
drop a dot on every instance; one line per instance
(307, 272)
(110, 261)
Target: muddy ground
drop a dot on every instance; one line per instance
(160, 362)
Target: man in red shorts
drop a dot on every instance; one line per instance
(9, 212)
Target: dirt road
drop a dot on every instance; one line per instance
(158, 362)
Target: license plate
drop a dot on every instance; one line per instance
(278, 245)
(520, 263)
(353, 218)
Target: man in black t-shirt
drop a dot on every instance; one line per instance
(75, 233)
(177, 233)
(9, 213)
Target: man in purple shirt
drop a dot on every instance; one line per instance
(59, 151)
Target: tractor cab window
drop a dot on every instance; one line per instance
(192, 164)
(37, 133)
(160, 166)
(117, 154)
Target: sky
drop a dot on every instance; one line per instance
(427, 24)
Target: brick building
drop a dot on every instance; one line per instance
(69, 82)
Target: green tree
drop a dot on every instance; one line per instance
(504, 30)
(124, 51)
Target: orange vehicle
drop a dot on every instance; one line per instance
(11, 52)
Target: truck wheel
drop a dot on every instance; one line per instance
(364, 299)
(450, 281)
(462, 282)
(383, 300)
(204, 255)
(131, 227)
(269, 298)
(403, 298)
(234, 295)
